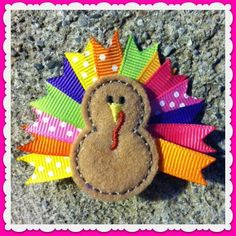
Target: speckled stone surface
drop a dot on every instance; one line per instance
(195, 43)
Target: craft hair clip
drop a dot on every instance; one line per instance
(112, 121)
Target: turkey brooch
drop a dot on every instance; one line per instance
(113, 120)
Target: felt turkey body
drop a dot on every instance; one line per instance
(125, 160)
(111, 121)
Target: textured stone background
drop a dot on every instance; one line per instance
(194, 40)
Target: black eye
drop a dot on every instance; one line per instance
(109, 99)
(121, 100)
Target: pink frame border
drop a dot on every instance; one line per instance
(2, 118)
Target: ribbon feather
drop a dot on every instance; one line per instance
(162, 80)
(134, 60)
(47, 168)
(51, 127)
(152, 66)
(107, 60)
(60, 106)
(83, 65)
(68, 83)
(48, 146)
(182, 162)
(183, 115)
(187, 135)
(173, 99)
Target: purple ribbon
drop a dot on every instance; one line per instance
(68, 83)
(186, 115)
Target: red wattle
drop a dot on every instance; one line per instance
(115, 133)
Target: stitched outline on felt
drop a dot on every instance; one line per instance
(135, 131)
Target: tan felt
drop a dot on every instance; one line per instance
(118, 174)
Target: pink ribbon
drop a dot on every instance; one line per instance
(162, 80)
(173, 99)
(187, 135)
(51, 127)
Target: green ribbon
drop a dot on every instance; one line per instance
(134, 60)
(60, 106)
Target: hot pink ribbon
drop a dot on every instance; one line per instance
(173, 99)
(162, 80)
(187, 135)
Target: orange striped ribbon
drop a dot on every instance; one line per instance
(182, 162)
(48, 146)
(152, 66)
(107, 60)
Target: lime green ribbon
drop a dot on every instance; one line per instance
(134, 60)
(61, 106)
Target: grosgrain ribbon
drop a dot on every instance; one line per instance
(48, 146)
(173, 99)
(182, 162)
(47, 167)
(59, 112)
(107, 60)
(68, 83)
(183, 115)
(162, 80)
(174, 160)
(134, 60)
(152, 66)
(187, 135)
(51, 127)
(83, 65)
(60, 106)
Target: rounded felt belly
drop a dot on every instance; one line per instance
(114, 171)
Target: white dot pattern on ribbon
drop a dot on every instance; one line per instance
(52, 129)
(69, 133)
(176, 94)
(41, 168)
(68, 169)
(162, 103)
(87, 53)
(48, 159)
(114, 68)
(95, 79)
(102, 57)
(172, 104)
(173, 99)
(58, 164)
(63, 124)
(45, 119)
(50, 173)
(34, 176)
(84, 75)
(75, 59)
(186, 95)
(85, 64)
(35, 124)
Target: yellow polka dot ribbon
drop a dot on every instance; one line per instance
(83, 65)
(47, 167)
